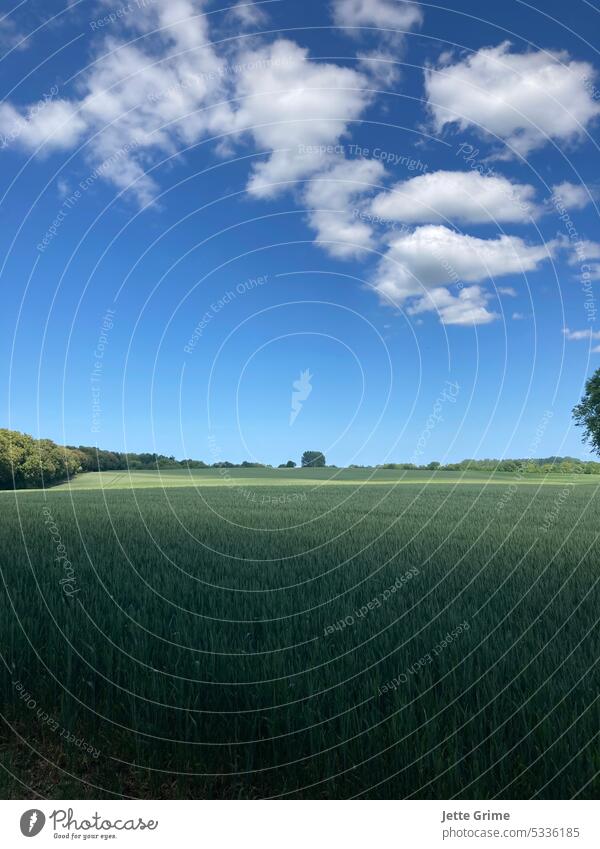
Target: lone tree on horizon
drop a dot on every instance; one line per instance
(313, 458)
(587, 412)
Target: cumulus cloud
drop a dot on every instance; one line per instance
(434, 257)
(157, 94)
(394, 14)
(335, 202)
(468, 307)
(465, 197)
(296, 109)
(526, 99)
(173, 88)
(55, 124)
(135, 100)
(574, 196)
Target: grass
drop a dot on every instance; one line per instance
(275, 633)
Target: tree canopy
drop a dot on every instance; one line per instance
(587, 412)
(28, 463)
(313, 458)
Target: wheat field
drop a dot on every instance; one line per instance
(285, 634)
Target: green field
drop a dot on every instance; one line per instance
(301, 633)
(315, 478)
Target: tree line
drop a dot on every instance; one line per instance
(28, 463)
(99, 460)
(560, 465)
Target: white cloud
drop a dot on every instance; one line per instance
(63, 188)
(523, 98)
(295, 108)
(56, 124)
(457, 196)
(580, 251)
(134, 100)
(335, 199)
(508, 291)
(467, 308)
(152, 97)
(384, 22)
(433, 257)
(518, 316)
(580, 254)
(382, 66)
(10, 37)
(181, 21)
(578, 335)
(138, 101)
(248, 14)
(574, 196)
(591, 249)
(170, 90)
(394, 14)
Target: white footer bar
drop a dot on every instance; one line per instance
(301, 824)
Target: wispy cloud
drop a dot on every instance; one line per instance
(579, 335)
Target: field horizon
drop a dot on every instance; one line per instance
(303, 477)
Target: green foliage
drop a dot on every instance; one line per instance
(587, 412)
(28, 463)
(535, 466)
(313, 459)
(98, 460)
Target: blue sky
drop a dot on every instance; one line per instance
(380, 215)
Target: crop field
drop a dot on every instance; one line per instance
(301, 634)
(314, 478)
